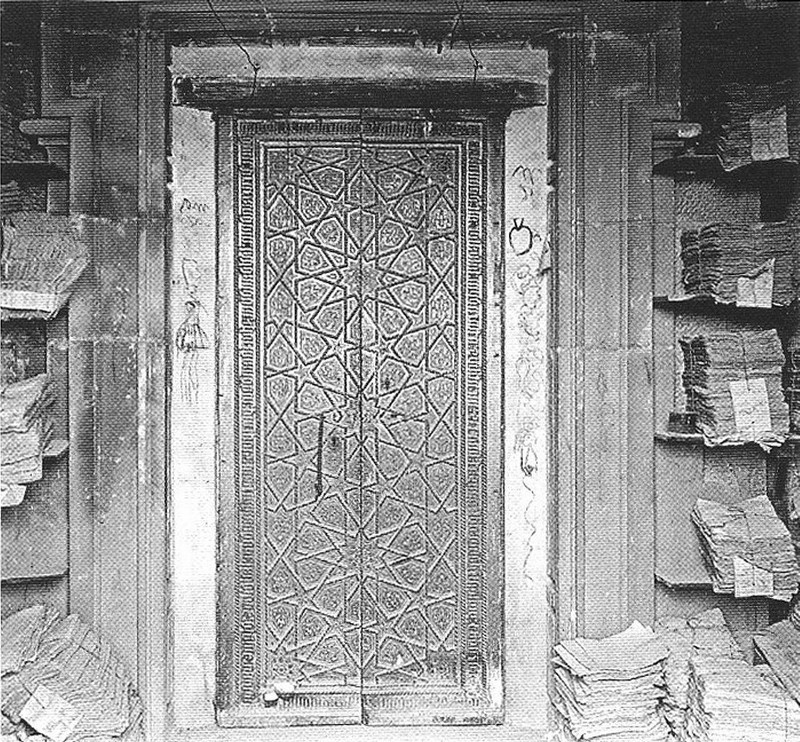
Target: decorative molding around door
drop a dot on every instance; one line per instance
(360, 531)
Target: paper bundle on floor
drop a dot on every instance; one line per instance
(26, 428)
(610, 689)
(731, 700)
(22, 634)
(779, 645)
(72, 688)
(734, 383)
(706, 634)
(750, 265)
(755, 123)
(747, 548)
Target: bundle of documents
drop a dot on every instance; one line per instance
(747, 548)
(25, 429)
(734, 383)
(755, 123)
(22, 634)
(10, 197)
(750, 265)
(792, 385)
(72, 688)
(732, 700)
(794, 615)
(706, 634)
(43, 255)
(779, 645)
(611, 689)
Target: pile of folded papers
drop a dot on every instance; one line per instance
(730, 699)
(61, 680)
(750, 265)
(610, 689)
(26, 428)
(794, 615)
(747, 548)
(734, 383)
(755, 123)
(43, 255)
(779, 645)
(10, 197)
(792, 385)
(706, 634)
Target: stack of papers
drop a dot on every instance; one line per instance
(794, 616)
(747, 548)
(779, 645)
(792, 385)
(734, 383)
(25, 428)
(704, 635)
(756, 123)
(611, 689)
(22, 636)
(72, 688)
(43, 256)
(750, 265)
(732, 700)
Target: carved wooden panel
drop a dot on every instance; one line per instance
(362, 531)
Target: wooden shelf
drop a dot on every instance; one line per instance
(25, 314)
(31, 171)
(706, 302)
(686, 580)
(34, 577)
(679, 437)
(57, 447)
(697, 438)
(705, 165)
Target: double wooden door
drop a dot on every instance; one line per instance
(360, 523)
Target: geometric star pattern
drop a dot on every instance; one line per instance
(360, 427)
(360, 373)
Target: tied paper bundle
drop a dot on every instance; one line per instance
(747, 548)
(792, 386)
(791, 489)
(610, 689)
(756, 123)
(42, 257)
(751, 265)
(706, 634)
(64, 682)
(794, 615)
(10, 197)
(26, 428)
(730, 699)
(734, 383)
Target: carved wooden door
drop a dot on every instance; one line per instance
(361, 571)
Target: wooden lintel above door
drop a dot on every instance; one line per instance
(228, 93)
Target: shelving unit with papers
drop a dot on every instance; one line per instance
(35, 531)
(695, 189)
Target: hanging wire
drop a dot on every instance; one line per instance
(250, 61)
(476, 63)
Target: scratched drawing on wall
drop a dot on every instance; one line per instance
(527, 248)
(190, 337)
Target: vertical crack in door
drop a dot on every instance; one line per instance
(364, 537)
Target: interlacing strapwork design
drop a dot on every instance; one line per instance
(359, 297)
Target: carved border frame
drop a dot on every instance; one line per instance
(479, 138)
